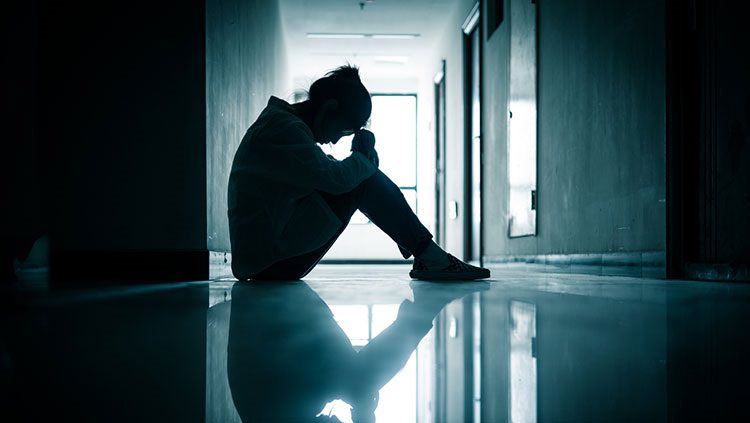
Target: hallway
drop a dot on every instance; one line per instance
(542, 346)
(592, 154)
(577, 131)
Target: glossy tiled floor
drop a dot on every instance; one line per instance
(364, 343)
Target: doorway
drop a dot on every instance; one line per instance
(522, 120)
(473, 140)
(440, 146)
(708, 233)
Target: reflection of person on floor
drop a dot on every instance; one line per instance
(289, 202)
(287, 357)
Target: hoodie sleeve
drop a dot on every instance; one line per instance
(299, 161)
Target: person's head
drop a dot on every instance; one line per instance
(340, 104)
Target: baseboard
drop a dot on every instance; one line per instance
(219, 265)
(106, 267)
(646, 264)
(717, 272)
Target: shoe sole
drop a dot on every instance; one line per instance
(449, 276)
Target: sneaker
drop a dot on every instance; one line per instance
(456, 270)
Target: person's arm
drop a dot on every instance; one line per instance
(338, 177)
(302, 162)
(364, 142)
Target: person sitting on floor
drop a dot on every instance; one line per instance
(289, 201)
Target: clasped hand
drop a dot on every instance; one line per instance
(364, 142)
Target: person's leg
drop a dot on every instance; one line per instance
(382, 202)
(299, 266)
(343, 206)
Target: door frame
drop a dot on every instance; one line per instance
(472, 23)
(440, 162)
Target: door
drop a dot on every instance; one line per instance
(522, 120)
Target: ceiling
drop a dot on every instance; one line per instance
(377, 58)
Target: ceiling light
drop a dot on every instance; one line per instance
(392, 59)
(334, 35)
(394, 36)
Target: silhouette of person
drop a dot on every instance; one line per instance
(287, 357)
(289, 202)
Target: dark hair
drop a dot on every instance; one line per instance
(344, 85)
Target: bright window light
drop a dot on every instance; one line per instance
(394, 123)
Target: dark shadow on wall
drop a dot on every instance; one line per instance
(22, 187)
(121, 129)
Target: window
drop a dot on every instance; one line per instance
(394, 123)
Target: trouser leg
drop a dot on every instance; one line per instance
(382, 202)
(299, 266)
(378, 198)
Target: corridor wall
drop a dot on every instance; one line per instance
(601, 165)
(246, 63)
